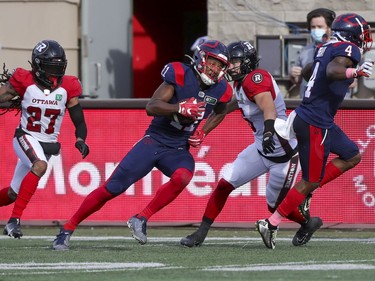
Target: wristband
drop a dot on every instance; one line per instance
(350, 73)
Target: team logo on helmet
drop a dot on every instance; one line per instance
(40, 47)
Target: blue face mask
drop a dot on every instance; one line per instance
(317, 34)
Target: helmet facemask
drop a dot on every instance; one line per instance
(49, 74)
(366, 38)
(236, 73)
(210, 72)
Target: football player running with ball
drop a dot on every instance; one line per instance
(334, 68)
(189, 93)
(43, 94)
(261, 102)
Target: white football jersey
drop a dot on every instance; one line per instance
(43, 111)
(256, 82)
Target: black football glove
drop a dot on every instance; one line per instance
(83, 148)
(268, 141)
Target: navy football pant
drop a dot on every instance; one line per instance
(315, 144)
(142, 158)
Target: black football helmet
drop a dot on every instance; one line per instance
(213, 49)
(246, 54)
(48, 63)
(353, 28)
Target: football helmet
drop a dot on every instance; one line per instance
(246, 54)
(209, 73)
(353, 28)
(48, 63)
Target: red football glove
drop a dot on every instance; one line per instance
(191, 108)
(197, 138)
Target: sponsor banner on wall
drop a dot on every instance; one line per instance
(112, 133)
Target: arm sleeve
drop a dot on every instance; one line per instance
(76, 114)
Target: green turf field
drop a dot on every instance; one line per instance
(227, 254)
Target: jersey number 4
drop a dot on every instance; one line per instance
(311, 82)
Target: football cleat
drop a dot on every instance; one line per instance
(267, 232)
(138, 228)
(304, 207)
(13, 228)
(61, 242)
(194, 239)
(306, 231)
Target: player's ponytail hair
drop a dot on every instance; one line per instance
(5, 75)
(15, 103)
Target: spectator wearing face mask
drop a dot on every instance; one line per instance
(319, 24)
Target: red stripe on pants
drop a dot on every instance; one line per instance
(316, 154)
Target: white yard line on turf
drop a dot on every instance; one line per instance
(177, 239)
(51, 268)
(301, 267)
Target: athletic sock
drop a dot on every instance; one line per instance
(164, 195)
(28, 187)
(297, 216)
(274, 220)
(270, 225)
(92, 203)
(4, 197)
(217, 200)
(290, 202)
(331, 172)
(167, 192)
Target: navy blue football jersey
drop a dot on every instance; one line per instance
(323, 96)
(170, 132)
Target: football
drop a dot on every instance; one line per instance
(183, 120)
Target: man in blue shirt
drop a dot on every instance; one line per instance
(319, 23)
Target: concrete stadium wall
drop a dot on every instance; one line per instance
(25, 23)
(230, 20)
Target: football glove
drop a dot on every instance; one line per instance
(268, 142)
(197, 138)
(365, 69)
(83, 148)
(191, 108)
